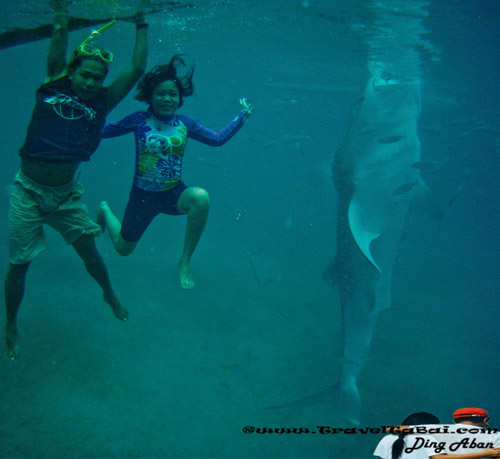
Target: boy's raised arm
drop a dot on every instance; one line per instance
(126, 81)
(56, 58)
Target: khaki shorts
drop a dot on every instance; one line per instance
(33, 204)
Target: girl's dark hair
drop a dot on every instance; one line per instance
(161, 73)
(411, 420)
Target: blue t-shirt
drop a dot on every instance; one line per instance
(64, 128)
(160, 144)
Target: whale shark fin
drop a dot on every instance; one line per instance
(361, 234)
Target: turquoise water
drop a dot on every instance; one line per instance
(190, 369)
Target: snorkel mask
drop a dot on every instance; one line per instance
(87, 49)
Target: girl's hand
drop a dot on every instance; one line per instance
(246, 107)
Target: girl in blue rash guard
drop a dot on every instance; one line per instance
(160, 139)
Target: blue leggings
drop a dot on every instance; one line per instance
(143, 206)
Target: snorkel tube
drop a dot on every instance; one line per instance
(97, 32)
(86, 48)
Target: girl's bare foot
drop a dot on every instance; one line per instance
(186, 276)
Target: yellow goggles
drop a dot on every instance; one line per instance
(86, 49)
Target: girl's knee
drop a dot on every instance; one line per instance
(123, 247)
(201, 198)
(194, 198)
(124, 251)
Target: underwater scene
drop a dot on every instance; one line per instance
(345, 157)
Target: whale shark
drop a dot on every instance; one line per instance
(376, 173)
(376, 185)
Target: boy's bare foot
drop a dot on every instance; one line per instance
(186, 276)
(118, 310)
(12, 339)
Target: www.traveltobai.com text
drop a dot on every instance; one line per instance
(327, 430)
(319, 429)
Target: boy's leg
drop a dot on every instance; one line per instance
(26, 241)
(86, 249)
(14, 290)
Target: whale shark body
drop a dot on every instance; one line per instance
(373, 162)
(375, 175)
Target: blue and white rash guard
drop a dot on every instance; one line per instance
(160, 143)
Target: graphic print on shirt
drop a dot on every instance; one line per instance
(160, 160)
(69, 108)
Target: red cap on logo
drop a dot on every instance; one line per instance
(470, 412)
